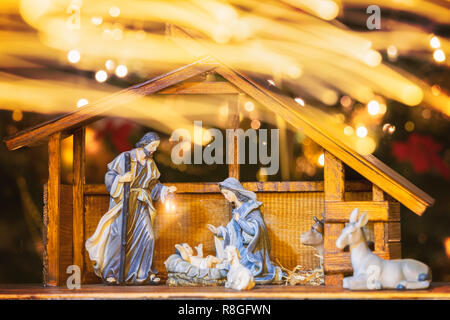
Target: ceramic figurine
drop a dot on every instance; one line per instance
(370, 272)
(122, 246)
(238, 277)
(314, 237)
(247, 232)
(198, 261)
(185, 269)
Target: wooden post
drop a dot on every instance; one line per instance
(334, 190)
(53, 227)
(79, 161)
(232, 145)
(378, 227)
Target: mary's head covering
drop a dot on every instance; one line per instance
(234, 185)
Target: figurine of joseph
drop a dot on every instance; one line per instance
(104, 245)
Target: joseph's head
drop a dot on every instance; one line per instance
(149, 142)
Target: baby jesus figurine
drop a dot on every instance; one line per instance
(198, 261)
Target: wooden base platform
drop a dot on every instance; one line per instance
(437, 291)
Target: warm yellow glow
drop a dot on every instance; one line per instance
(255, 124)
(435, 43)
(388, 128)
(348, 131)
(447, 246)
(392, 52)
(373, 107)
(439, 55)
(114, 12)
(74, 56)
(426, 114)
(101, 76)
(411, 95)
(409, 126)
(365, 145)
(300, 101)
(249, 106)
(321, 160)
(82, 102)
(97, 20)
(17, 115)
(361, 131)
(110, 65)
(346, 101)
(383, 108)
(372, 58)
(121, 71)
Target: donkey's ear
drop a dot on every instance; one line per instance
(363, 219)
(354, 215)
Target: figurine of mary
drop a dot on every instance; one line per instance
(104, 246)
(247, 232)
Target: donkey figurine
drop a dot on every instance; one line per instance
(371, 272)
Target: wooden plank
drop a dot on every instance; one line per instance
(221, 87)
(379, 236)
(270, 292)
(88, 113)
(377, 194)
(65, 232)
(334, 178)
(53, 214)
(232, 140)
(79, 172)
(334, 280)
(269, 186)
(393, 232)
(394, 250)
(378, 211)
(340, 262)
(313, 122)
(331, 232)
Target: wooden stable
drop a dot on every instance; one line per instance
(72, 212)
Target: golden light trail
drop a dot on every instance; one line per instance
(306, 51)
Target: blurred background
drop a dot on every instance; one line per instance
(378, 71)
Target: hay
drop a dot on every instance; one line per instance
(302, 276)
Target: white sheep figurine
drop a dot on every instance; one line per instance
(239, 277)
(370, 272)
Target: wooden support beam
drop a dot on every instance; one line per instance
(222, 87)
(268, 186)
(232, 141)
(334, 192)
(52, 251)
(79, 161)
(334, 178)
(336, 211)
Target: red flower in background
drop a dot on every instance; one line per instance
(423, 153)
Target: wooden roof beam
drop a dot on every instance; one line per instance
(368, 166)
(86, 114)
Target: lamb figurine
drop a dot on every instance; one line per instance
(198, 261)
(239, 277)
(371, 272)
